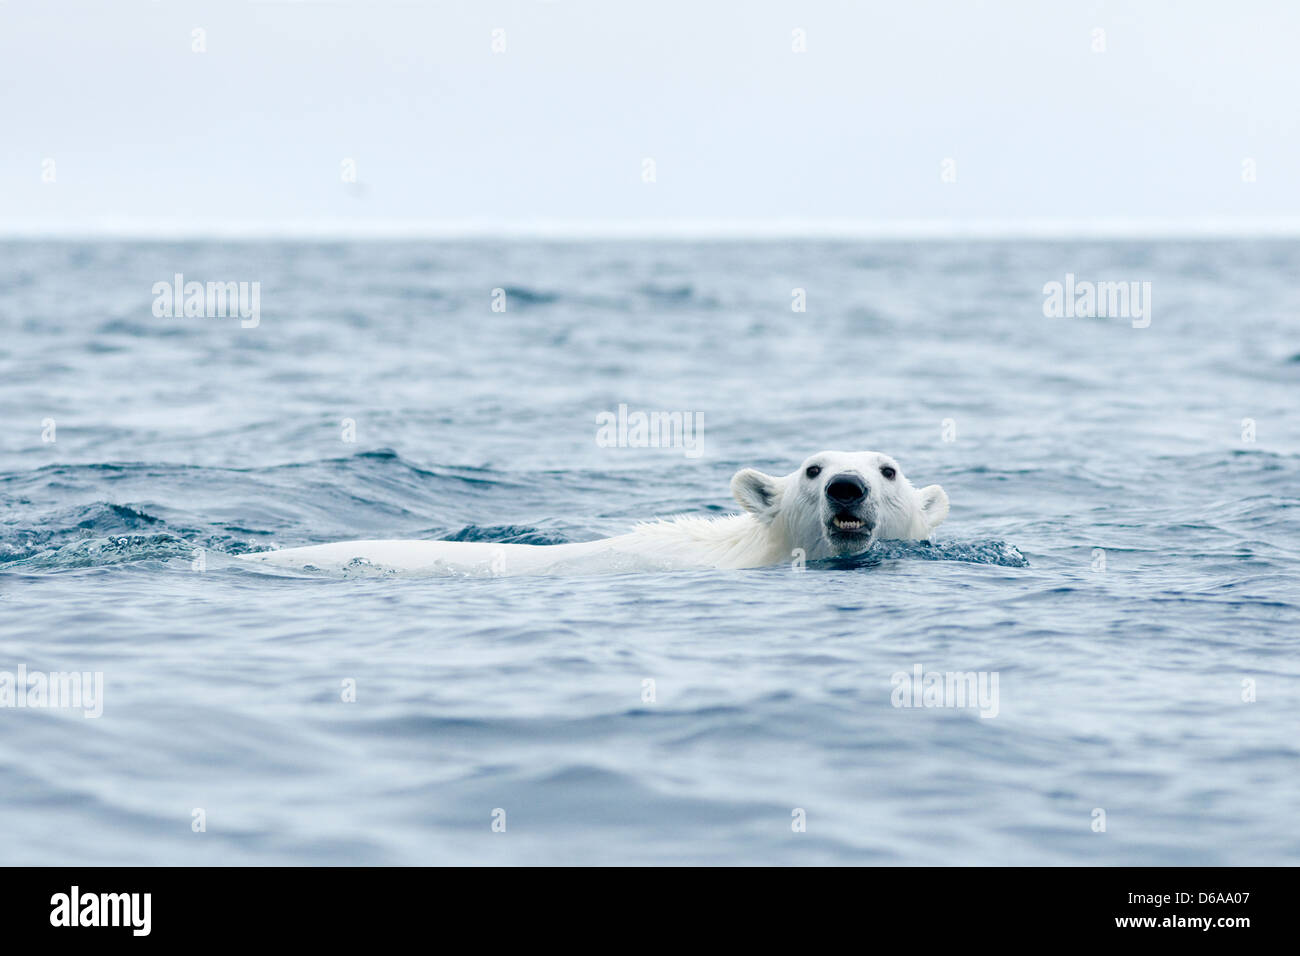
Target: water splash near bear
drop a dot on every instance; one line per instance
(994, 552)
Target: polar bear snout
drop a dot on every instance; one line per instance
(846, 489)
(848, 513)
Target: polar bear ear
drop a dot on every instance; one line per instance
(934, 505)
(759, 494)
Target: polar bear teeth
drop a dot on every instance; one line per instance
(846, 525)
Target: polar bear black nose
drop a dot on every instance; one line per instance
(846, 489)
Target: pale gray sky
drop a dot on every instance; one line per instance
(144, 131)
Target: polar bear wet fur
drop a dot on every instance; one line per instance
(835, 504)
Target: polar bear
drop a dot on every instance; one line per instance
(836, 504)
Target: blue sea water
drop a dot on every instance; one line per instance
(1121, 553)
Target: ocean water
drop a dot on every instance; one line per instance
(1121, 556)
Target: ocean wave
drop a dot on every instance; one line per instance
(103, 552)
(998, 553)
(506, 534)
(527, 295)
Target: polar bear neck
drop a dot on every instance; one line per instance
(735, 541)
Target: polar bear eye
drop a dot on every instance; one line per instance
(888, 472)
(813, 471)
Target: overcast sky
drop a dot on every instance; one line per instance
(141, 129)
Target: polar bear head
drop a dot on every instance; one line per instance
(837, 503)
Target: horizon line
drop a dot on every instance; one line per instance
(657, 229)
